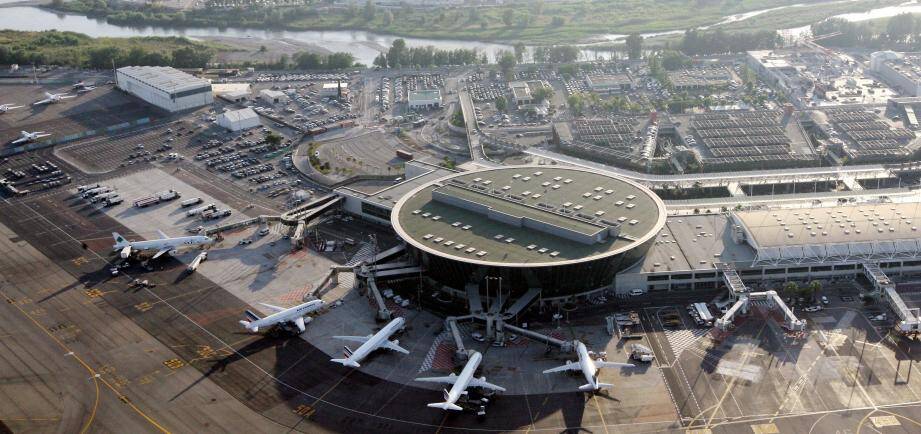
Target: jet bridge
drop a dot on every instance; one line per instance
(743, 304)
(909, 321)
(739, 292)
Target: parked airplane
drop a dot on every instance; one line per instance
(51, 98)
(7, 107)
(294, 315)
(589, 368)
(461, 383)
(86, 89)
(372, 342)
(162, 245)
(26, 137)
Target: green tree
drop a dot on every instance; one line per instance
(273, 139)
(506, 61)
(541, 94)
(388, 18)
(380, 61)
(501, 103)
(557, 22)
(790, 289)
(900, 27)
(576, 103)
(519, 51)
(634, 44)
(395, 56)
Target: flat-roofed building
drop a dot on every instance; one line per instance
(237, 120)
(165, 87)
(609, 83)
(424, 99)
(335, 89)
(273, 96)
(563, 230)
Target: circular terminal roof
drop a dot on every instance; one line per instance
(526, 216)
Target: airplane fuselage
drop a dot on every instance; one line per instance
(463, 380)
(164, 243)
(375, 341)
(589, 370)
(289, 314)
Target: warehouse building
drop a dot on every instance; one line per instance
(272, 96)
(337, 90)
(424, 99)
(609, 83)
(238, 120)
(168, 88)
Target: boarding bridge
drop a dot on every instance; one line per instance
(386, 254)
(297, 241)
(519, 305)
(383, 313)
(742, 305)
(460, 352)
(909, 321)
(733, 281)
(311, 210)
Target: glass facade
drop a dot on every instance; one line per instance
(557, 280)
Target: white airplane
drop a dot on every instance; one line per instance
(26, 137)
(7, 107)
(162, 245)
(294, 315)
(589, 368)
(86, 89)
(372, 342)
(461, 383)
(51, 98)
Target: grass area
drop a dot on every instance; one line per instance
(806, 15)
(532, 22)
(76, 49)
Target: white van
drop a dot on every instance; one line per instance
(636, 292)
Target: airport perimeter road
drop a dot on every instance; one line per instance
(473, 138)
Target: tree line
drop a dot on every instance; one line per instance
(901, 32)
(399, 55)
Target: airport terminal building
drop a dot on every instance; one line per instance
(168, 88)
(530, 227)
(561, 230)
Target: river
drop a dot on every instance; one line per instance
(365, 46)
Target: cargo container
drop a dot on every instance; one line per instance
(146, 201)
(189, 202)
(196, 211)
(113, 200)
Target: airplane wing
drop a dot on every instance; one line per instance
(359, 339)
(299, 322)
(450, 379)
(571, 366)
(67, 96)
(44, 101)
(481, 382)
(18, 141)
(161, 234)
(601, 364)
(394, 346)
(273, 307)
(161, 252)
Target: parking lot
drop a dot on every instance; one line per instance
(306, 108)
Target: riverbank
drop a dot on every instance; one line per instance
(555, 23)
(258, 51)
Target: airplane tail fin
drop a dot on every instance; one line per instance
(249, 326)
(119, 240)
(252, 316)
(346, 363)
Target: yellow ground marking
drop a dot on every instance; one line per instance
(96, 379)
